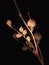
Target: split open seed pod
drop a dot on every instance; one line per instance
(19, 35)
(9, 23)
(28, 38)
(24, 32)
(31, 23)
(38, 36)
(24, 48)
(21, 29)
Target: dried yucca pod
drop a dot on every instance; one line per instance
(19, 35)
(24, 48)
(25, 32)
(21, 29)
(9, 23)
(38, 36)
(31, 23)
(28, 38)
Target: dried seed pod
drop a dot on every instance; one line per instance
(21, 29)
(38, 36)
(9, 23)
(25, 32)
(28, 38)
(24, 48)
(31, 23)
(18, 35)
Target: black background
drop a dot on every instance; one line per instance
(9, 47)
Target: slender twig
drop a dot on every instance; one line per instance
(40, 59)
(25, 24)
(20, 15)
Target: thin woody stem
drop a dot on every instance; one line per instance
(40, 59)
(26, 24)
(30, 32)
